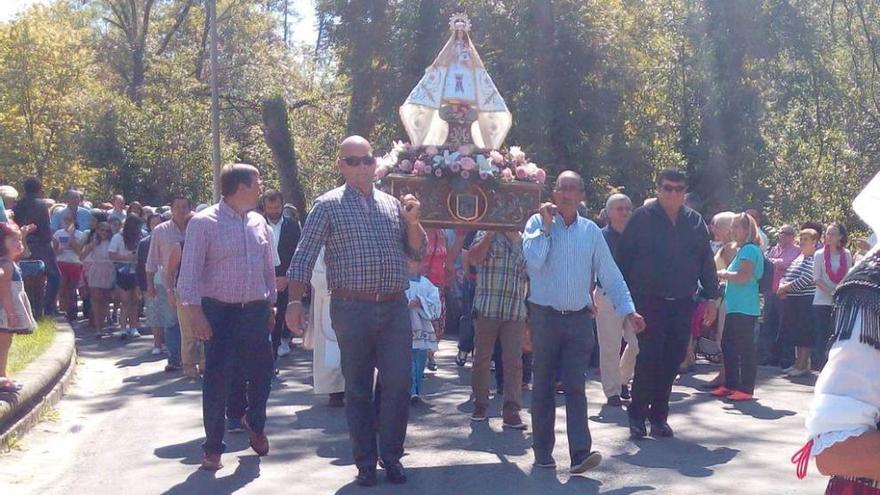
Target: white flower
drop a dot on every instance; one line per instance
(517, 154)
(398, 147)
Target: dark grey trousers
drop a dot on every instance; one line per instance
(374, 336)
(560, 344)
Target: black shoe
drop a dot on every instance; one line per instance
(661, 430)
(366, 477)
(395, 473)
(461, 359)
(615, 401)
(589, 462)
(637, 428)
(337, 399)
(624, 392)
(432, 365)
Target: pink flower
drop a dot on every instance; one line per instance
(521, 173)
(466, 149)
(496, 157)
(431, 150)
(465, 174)
(381, 172)
(405, 166)
(468, 163)
(455, 167)
(419, 167)
(506, 175)
(540, 176)
(438, 172)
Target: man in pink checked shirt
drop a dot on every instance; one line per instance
(227, 286)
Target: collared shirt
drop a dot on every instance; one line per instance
(227, 256)
(365, 239)
(781, 257)
(83, 219)
(276, 237)
(163, 239)
(502, 281)
(563, 265)
(659, 258)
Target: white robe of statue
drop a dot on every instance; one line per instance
(320, 337)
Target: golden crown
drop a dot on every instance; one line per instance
(460, 22)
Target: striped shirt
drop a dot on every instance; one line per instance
(563, 265)
(800, 275)
(502, 282)
(365, 239)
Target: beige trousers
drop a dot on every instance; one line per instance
(192, 351)
(616, 370)
(511, 335)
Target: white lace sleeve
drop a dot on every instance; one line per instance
(846, 402)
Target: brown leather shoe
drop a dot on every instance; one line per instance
(211, 462)
(259, 441)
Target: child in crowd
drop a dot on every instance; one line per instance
(424, 308)
(100, 274)
(15, 309)
(67, 242)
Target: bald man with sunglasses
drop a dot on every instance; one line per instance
(368, 236)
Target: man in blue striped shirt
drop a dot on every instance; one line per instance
(564, 253)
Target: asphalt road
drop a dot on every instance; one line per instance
(128, 428)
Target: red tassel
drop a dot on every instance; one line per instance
(802, 459)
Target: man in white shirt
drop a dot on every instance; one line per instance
(285, 237)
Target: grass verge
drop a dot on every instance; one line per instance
(26, 348)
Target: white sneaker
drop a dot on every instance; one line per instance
(798, 372)
(156, 351)
(283, 349)
(133, 333)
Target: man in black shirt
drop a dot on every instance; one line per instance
(663, 252)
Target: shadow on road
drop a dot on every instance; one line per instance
(204, 482)
(688, 458)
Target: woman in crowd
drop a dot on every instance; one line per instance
(725, 250)
(136, 209)
(100, 274)
(743, 306)
(434, 267)
(67, 243)
(830, 264)
(796, 290)
(122, 251)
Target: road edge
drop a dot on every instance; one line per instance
(45, 381)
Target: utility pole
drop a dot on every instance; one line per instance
(215, 100)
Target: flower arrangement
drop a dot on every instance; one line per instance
(462, 164)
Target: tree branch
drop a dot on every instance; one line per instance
(181, 16)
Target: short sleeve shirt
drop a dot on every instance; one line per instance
(117, 245)
(744, 297)
(67, 255)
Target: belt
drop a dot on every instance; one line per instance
(378, 297)
(244, 305)
(585, 310)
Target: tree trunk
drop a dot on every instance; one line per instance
(276, 129)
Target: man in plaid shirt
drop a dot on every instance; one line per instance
(500, 307)
(368, 236)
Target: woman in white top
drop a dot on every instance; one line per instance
(830, 265)
(100, 274)
(123, 252)
(67, 243)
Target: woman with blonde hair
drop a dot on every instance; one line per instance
(742, 308)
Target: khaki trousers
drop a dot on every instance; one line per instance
(192, 351)
(616, 370)
(511, 335)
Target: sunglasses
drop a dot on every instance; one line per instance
(668, 188)
(354, 161)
